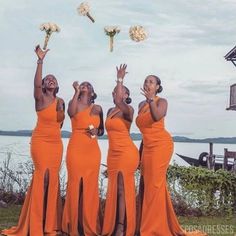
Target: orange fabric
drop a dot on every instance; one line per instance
(41, 212)
(83, 163)
(158, 216)
(123, 157)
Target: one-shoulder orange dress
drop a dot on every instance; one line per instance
(81, 210)
(123, 158)
(41, 212)
(158, 216)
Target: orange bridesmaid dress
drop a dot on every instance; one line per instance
(81, 210)
(123, 158)
(157, 216)
(41, 212)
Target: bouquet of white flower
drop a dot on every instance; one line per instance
(111, 31)
(84, 9)
(49, 28)
(90, 128)
(137, 33)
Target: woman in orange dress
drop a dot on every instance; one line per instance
(122, 161)
(158, 216)
(41, 212)
(81, 211)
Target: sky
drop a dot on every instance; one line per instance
(186, 44)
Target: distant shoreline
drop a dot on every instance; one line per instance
(135, 137)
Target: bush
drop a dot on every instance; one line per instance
(209, 192)
(194, 191)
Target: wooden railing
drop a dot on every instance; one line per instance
(229, 158)
(229, 155)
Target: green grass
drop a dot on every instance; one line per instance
(211, 225)
(220, 226)
(9, 216)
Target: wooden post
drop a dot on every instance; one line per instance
(225, 164)
(210, 164)
(234, 169)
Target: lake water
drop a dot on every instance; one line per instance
(20, 149)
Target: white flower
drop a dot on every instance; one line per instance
(91, 127)
(53, 27)
(137, 33)
(50, 27)
(44, 26)
(83, 8)
(109, 30)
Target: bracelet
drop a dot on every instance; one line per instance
(150, 100)
(40, 61)
(119, 80)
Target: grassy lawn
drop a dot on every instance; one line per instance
(214, 226)
(9, 216)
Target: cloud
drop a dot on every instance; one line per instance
(186, 44)
(214, 88)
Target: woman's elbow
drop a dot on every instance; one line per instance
(158, 117)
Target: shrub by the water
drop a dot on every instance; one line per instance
(194, 191)
(208, 192)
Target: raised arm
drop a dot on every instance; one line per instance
(158, 109)
(119, 97)
(38, 94)
(72, 107)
